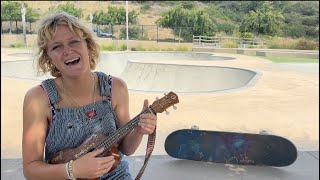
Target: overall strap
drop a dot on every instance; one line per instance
(105, 84)
(50, 89)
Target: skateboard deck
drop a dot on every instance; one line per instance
(230, 148)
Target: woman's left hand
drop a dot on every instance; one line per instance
(148, 121)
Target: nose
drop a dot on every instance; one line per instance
(67, 50)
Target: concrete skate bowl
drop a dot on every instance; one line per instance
(142, 72)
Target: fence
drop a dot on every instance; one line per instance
(217, 41)
(149, 32)
(136, 32)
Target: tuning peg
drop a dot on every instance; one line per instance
(174, 107)
(157, 98)
(167, 112)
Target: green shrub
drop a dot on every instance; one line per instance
(123, 47)
(16, 45)
(145, 8)
(304, 44)
(262, 46)
(134, 32)
(109, 47)
(168, 49)
(281, 43)
(229, 44)
(153, 48)
(182, 48)
(140, 48)
(289, 43)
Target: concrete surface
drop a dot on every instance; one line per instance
(164, 167)
(284, 100)
(314, 54)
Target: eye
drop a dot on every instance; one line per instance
(55, 47)
(74, 41)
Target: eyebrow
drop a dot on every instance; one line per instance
(59, 42)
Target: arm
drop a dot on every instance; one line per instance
(120, 103)
(35, 124)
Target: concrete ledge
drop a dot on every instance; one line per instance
(288, 54)
(164, 167)
(313, 54)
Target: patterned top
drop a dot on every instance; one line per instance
(70, 127)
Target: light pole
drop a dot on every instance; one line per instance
(23, 14)
(127, 25)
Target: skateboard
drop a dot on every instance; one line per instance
(231, 148)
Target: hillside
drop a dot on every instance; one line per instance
(147, 18)
(300, 19)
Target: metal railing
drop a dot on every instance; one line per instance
(217, 41)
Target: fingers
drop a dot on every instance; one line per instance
(148, 122)
(95, 152)
(145, 104)
(148, 129)
(104, 165)
(147, 117)
(106, 160)
(90, 166)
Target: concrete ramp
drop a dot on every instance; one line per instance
(141, 72)
(183, 78)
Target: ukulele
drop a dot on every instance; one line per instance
(110, 143)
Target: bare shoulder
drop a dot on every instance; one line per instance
(35, 102)
(118, 84)
(119, 91)
(35, 95)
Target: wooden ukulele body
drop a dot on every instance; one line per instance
(87, 146)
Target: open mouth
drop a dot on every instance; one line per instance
(72, 61)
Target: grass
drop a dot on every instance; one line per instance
(286, 59)
(282, 59)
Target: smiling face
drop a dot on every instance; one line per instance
(68, 52)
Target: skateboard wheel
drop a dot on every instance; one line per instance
(195, 127)
(264, 132)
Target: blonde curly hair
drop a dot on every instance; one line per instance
(46, 30)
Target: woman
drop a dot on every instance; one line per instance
(64, 111)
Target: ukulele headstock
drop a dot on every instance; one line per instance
(165, 102)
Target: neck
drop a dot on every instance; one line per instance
(79, 86)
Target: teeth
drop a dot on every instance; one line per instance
(71, 60)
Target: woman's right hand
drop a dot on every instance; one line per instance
(90, 166)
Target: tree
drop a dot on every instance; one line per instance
(114, 16)
(179, 16)
(32, 16)
(187, 4)
(68, 8)
(265, 20)
(11, 11)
